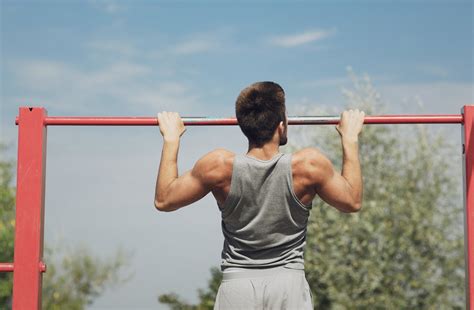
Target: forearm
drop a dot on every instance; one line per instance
(351, 170)
(168, 169)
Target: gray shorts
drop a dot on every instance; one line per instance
(273, 288)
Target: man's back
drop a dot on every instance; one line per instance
(263, 222)
(305, 168)
(312, 174)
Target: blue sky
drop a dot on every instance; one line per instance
(137, 58)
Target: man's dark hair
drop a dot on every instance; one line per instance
(259, 108)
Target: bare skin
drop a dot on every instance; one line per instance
(313, 173)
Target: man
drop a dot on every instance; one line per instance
(264, 197)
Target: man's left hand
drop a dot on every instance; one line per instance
(171, 125)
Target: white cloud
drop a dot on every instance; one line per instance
(336, 81)
(69, 88)
(113, 48)
(167, 96)
(194, 46)
(433, 70)
(300, 38)
(42, 75)
(48, 76)
(108, 6)
(438, 97)
(197, 44)
(120, 49)
(428, 97)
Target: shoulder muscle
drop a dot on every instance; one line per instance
(313, 165)
(213, 167)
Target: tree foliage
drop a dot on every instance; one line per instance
(206, 296)
(7, 226)
(74, 278)
(79, 277)
(404, 249)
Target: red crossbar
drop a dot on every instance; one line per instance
(292, 120)
(6, 267)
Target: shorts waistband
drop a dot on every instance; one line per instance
(256, 273)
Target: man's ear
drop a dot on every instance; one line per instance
(281, 127)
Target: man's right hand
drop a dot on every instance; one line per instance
(351, 124)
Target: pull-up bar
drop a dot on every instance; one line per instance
(31, 170)
(292, 120)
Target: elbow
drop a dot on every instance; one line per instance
(351, 207)
(355, 207)
(161, 206)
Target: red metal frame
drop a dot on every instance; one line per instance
(31, 170)
(32, 124)
(204, 121)
(6, 267)
(468, 154)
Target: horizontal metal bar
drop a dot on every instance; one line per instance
(292, 120)
(6, 267)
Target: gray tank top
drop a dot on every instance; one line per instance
(263, 222)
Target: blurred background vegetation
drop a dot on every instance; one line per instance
(75, 277)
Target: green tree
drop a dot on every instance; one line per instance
(7, 225)
(74, 278)
(206, 296)
(404, 249)
(79, 277)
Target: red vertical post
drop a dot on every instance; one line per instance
(31, 169)
(468, 162)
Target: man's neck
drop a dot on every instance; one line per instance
(264, 152)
